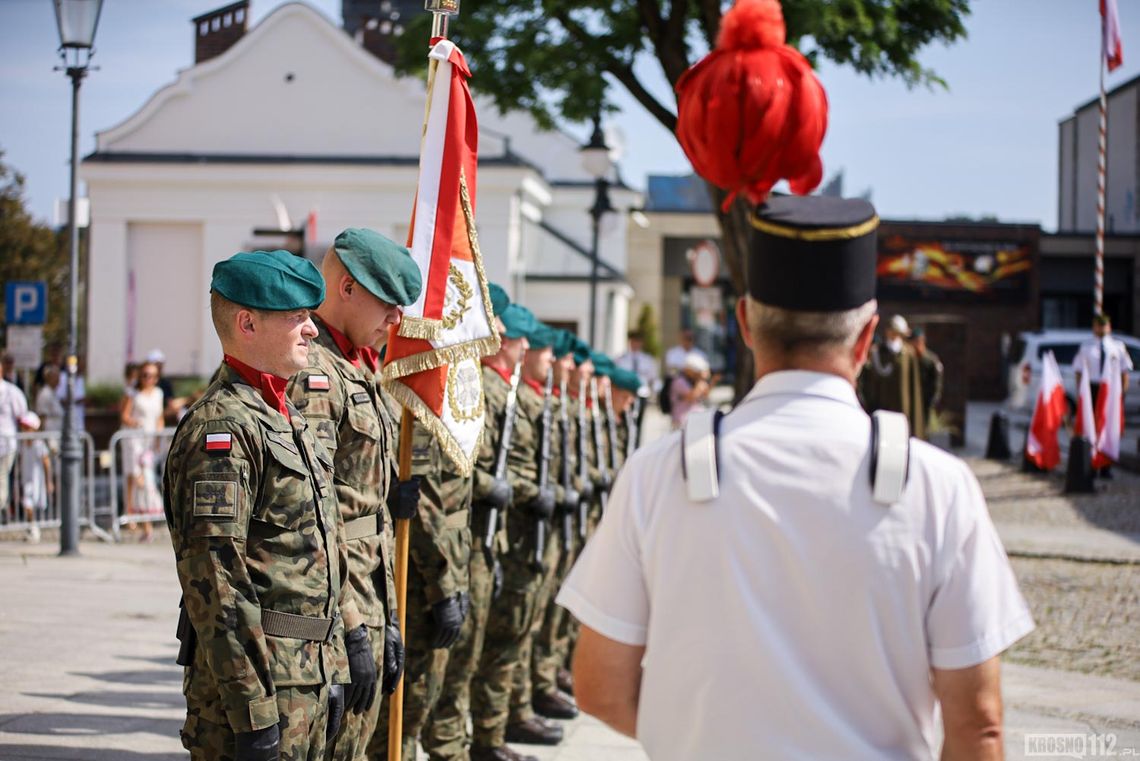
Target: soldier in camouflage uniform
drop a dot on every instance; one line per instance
(445, 738)
(535, 679)
(253, 521)
(439, 550)
(368, 279)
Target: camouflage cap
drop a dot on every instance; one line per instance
(517, 321)
(625, 379)
(499, 298)
(276, 281)
(385, 268)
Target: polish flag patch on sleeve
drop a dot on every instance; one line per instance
(317, 383)
(219, 442)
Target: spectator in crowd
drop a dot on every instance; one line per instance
(676, 356)
(690, 388)
(48, 406)
(930, 373)
(53, 357)
(13, 405)
(80, 419)
(8, 371)
(158, 359)
(639, 362)
(142, 411)
(130, 379)
(1094, 357)
(891, 380)
(36, 484)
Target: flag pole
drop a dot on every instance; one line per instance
(441, 11)
(1102, 146)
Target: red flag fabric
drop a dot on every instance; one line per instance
(1109, 416)
(1041, 447)
(1110, 27)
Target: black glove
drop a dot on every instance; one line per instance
(500, 494)
(448, 615)
(393, 658)
(587, 492)
(570, 499)
(258, 745)
(542, 506)
(496, 579)
(336, 711)
(403, 498)
(362, 671)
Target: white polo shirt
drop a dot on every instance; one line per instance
(793, 617)
(1089, 356)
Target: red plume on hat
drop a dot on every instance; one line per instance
(752, 112)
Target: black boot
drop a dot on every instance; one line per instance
(554, 705)
(565, 681)
(534, 731)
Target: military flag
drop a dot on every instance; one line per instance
(1041, 447)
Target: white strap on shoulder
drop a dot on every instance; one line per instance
(698, 451)
(890, 456)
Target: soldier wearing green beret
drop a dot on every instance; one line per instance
(368, 279)
(253, 520)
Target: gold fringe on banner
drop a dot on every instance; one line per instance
(464, 465)
(421, 328)
(477, 257)
(426, 360)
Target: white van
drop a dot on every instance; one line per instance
(1025, 366)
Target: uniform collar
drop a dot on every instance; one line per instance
(502, 372)
(354, 354)
(271, 387)
(804, 383)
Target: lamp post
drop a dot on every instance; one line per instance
(77, 20)
(596, 161)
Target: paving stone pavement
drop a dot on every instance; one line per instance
(87, 643)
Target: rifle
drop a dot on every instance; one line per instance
(505, 436)
(544, 467)
(187, 636)
(564, 469)
(597, 424)
(632, 426)
(583, 463)
(611, 425)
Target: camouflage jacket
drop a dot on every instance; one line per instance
(439, 543)
(341, 402)
(253, 520)
(523, 463)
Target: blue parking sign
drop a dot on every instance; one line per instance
(25, 302)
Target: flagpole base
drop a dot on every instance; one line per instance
(1079, 472)
(997, 446)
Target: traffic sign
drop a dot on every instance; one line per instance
(25, 302)
(26, 345)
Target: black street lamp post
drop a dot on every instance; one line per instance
(77, 20)
(597, 163)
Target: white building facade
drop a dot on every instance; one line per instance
(297, 125)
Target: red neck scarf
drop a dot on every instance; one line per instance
(271, 387)
(353, 354)
(503, 372)
(539, 388)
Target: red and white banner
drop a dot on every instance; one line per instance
(1109, 415)
(1085, 424)
(1041, 447)
(431, 363)
(1110, 26)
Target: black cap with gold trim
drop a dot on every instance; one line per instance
(813, 254)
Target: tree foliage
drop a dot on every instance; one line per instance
(647, 326)
(30, 250)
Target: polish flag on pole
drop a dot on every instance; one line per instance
(1041, 448)
(1110, 26)
(1109, 416)
(432, 360)
(1085, 424)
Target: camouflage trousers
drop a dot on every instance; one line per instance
(555, 632)
(303, 711)
(424, 668)
(445, 737)
(521, 684)
(356, 730)
(508, 628)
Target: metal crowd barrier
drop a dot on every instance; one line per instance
(131, 476)
(33, 498)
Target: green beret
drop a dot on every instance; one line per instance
(563, 342)
(499, 298)
(581, 351)
(541, 336)
(625, 379)
(385, 268)
(276, 281)
(518, 321)
(603, 365)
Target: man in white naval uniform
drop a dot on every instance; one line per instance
(768, 600)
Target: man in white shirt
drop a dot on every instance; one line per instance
(12, 406)
(1095, 355)
(675, 357)
(793, 616)
(637, 361)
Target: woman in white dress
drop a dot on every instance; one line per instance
(142, 411)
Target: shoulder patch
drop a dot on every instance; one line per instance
(219, 442)
(317, 383)
(361, 397)
(217, 498)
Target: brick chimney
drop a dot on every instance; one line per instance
(216, 32)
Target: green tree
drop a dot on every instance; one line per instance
(647, 327)
(31, 250)
(556, 58)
